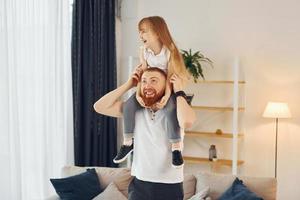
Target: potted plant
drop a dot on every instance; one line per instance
(193, 63)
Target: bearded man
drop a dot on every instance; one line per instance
(154, 176)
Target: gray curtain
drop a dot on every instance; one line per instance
(93, 74)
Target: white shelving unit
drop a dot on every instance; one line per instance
(234, 134)
(235, 114)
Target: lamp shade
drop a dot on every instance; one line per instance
(277, 110)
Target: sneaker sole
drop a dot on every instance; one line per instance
(178, 166)
(123, 159)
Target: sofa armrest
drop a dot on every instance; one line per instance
(53, 197)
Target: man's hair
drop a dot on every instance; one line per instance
(156, 69)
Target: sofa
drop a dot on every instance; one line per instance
(193, 183)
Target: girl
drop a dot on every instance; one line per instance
(158, 50)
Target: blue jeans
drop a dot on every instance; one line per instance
(132, 105)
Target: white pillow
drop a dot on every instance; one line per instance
(201, 195)
(217, 183)
(111, 192)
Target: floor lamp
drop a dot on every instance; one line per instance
(277, 110)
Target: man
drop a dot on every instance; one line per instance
(154, 176)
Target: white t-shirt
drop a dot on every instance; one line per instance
(152, 155)
(160, 60)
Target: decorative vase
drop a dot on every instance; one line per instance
(212, 152)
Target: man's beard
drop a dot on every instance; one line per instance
(150, 101)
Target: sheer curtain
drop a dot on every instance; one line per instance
(36, 96)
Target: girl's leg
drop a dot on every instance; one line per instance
(129, 109)
(172, 124)
(173, 131)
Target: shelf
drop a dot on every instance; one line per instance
(216, 108)
(190, 159)
(220, 82)
(210, 134)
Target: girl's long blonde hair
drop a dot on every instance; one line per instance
(159, 26)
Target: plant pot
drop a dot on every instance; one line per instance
(189, 98)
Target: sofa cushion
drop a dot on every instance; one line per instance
(120, 176)
(189, 184)
(83, 186)
(218, 183)
(238, 191)
(202, 195)
(111, 192)
(264, 187)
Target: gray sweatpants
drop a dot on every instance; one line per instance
(132, 105)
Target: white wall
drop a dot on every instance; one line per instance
(4, 117)
(265, 36)
(4, 137)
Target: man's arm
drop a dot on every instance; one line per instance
(185, 114)
(110, 104)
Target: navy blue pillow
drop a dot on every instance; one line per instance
(238, 191)
(84, 186)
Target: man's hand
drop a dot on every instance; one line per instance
(162, 102)
(185, 114)
(135, 77)
(137, 74)
(177, 82)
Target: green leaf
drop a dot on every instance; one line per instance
(193, 62)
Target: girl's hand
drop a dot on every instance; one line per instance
(162, 102)
(139, 69)
(144, 65)
(140, 100)
(177, 83)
